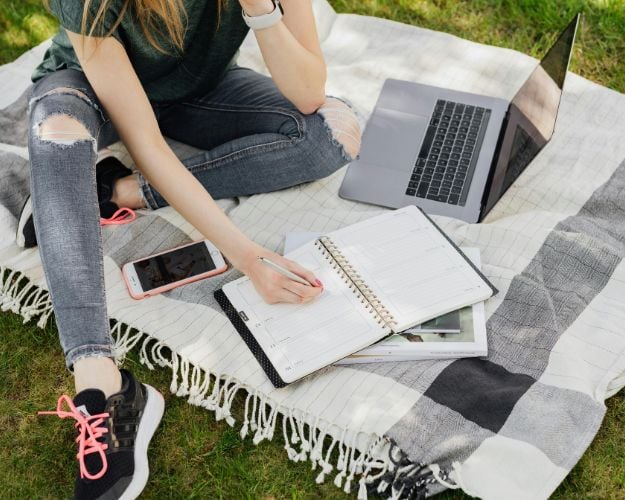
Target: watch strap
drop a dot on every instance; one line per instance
(265, 20)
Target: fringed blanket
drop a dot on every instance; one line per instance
(509, 426)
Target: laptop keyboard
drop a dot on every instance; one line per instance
(449, 152)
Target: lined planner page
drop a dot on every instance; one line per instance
(301, 338)
(410, 266)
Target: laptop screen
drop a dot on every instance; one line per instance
(531, 116)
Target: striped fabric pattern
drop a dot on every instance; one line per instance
(508, 426)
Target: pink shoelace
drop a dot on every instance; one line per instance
(119, 217)
(90, 425)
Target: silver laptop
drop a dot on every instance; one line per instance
(454, 153)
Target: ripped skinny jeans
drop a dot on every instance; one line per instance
(253, 140)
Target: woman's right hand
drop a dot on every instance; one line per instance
(272, 286)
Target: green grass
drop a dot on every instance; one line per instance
(529, 26)
(194, 456)
(23, 23)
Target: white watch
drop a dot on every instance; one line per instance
(266, 20)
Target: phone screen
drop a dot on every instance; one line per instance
(174, 266)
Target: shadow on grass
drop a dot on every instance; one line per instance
(194, 456)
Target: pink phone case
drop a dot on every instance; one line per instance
(175, 284)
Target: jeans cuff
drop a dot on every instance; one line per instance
(146, 192)
(88, 351)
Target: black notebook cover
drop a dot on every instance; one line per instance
(246, 335)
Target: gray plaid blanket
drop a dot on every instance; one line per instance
(508, 426)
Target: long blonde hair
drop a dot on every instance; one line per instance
(148, 13)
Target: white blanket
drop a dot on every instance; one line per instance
(511, 426)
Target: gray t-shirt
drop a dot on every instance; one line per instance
(208, 53)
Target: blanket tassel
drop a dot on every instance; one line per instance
(27, 302)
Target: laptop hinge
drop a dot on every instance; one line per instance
(493, 165)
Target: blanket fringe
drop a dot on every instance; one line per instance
(381, 466)
(28, 302)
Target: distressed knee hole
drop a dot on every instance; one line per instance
(60, 91)
(62, 129)
(66, 90)
(343, 124)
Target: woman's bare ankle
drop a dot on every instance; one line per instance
(126, 193)
(97, 372)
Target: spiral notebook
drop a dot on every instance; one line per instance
(380, 276)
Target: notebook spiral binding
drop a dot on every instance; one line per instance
(354, 281)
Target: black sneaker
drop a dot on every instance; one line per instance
(108, 170)
(114, 435)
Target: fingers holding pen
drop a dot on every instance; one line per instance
(280, 295)
(304, 292)
(282, 289)
(278, 279)
(303, 272)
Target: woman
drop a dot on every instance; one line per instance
(137, 70)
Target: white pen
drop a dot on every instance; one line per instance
(283, 271)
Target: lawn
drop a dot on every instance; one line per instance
(194, 456)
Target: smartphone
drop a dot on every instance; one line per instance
(169, 269)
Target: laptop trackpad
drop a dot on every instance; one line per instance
(392, 138)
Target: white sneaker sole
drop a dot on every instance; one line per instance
(27, 211)
(154, 408)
